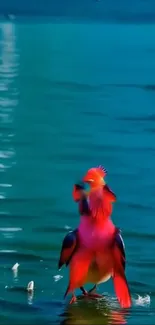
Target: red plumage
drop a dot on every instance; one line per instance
(95, 252)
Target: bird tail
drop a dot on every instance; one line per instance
(122, 290)
(120, 282)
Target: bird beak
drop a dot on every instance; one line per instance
(87, 180)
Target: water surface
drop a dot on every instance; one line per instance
(73, 96)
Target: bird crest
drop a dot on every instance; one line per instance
(101, 170)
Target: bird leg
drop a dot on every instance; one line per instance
(73, 299)
(93, 290)
(85, 293)
(92, 293)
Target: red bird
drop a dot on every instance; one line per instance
(95, 250)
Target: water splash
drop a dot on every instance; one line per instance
(57, 277)
(144, 301)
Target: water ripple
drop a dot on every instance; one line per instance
(10, 229)
(5, 185)
(54, 131)
(11, 255)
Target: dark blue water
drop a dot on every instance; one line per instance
(72, 96)
(137, 11)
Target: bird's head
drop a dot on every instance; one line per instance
(95, 176)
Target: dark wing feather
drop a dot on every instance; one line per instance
(120, 244)
(84, 206)
(78, 189)
(109, 193)
(81, 196)
(69, 245)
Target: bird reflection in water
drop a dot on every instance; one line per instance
(88, 312)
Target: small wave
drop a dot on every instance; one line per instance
(6, 154)
(139, 300)
(68, 227)
(5, 185)
(10, 229)
(51, 229)
(7, 251)
(2, 166)
(14, 255)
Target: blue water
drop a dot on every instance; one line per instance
(72, 96)
(137, 11)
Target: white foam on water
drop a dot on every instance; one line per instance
(142, 301)
(15, 267)
(57, 277)
(10, 229)
(30, 290)
(30, 286)
(5, 185)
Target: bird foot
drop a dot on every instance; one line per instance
(94, 295)
(85, 293)
(91, 293)
(73, 300)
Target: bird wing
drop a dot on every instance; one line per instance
(81, 196)
(109, 193)
(77, 191)
(120, 244)
(68, 248)
(84, 205)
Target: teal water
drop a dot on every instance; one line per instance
(73, 96)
